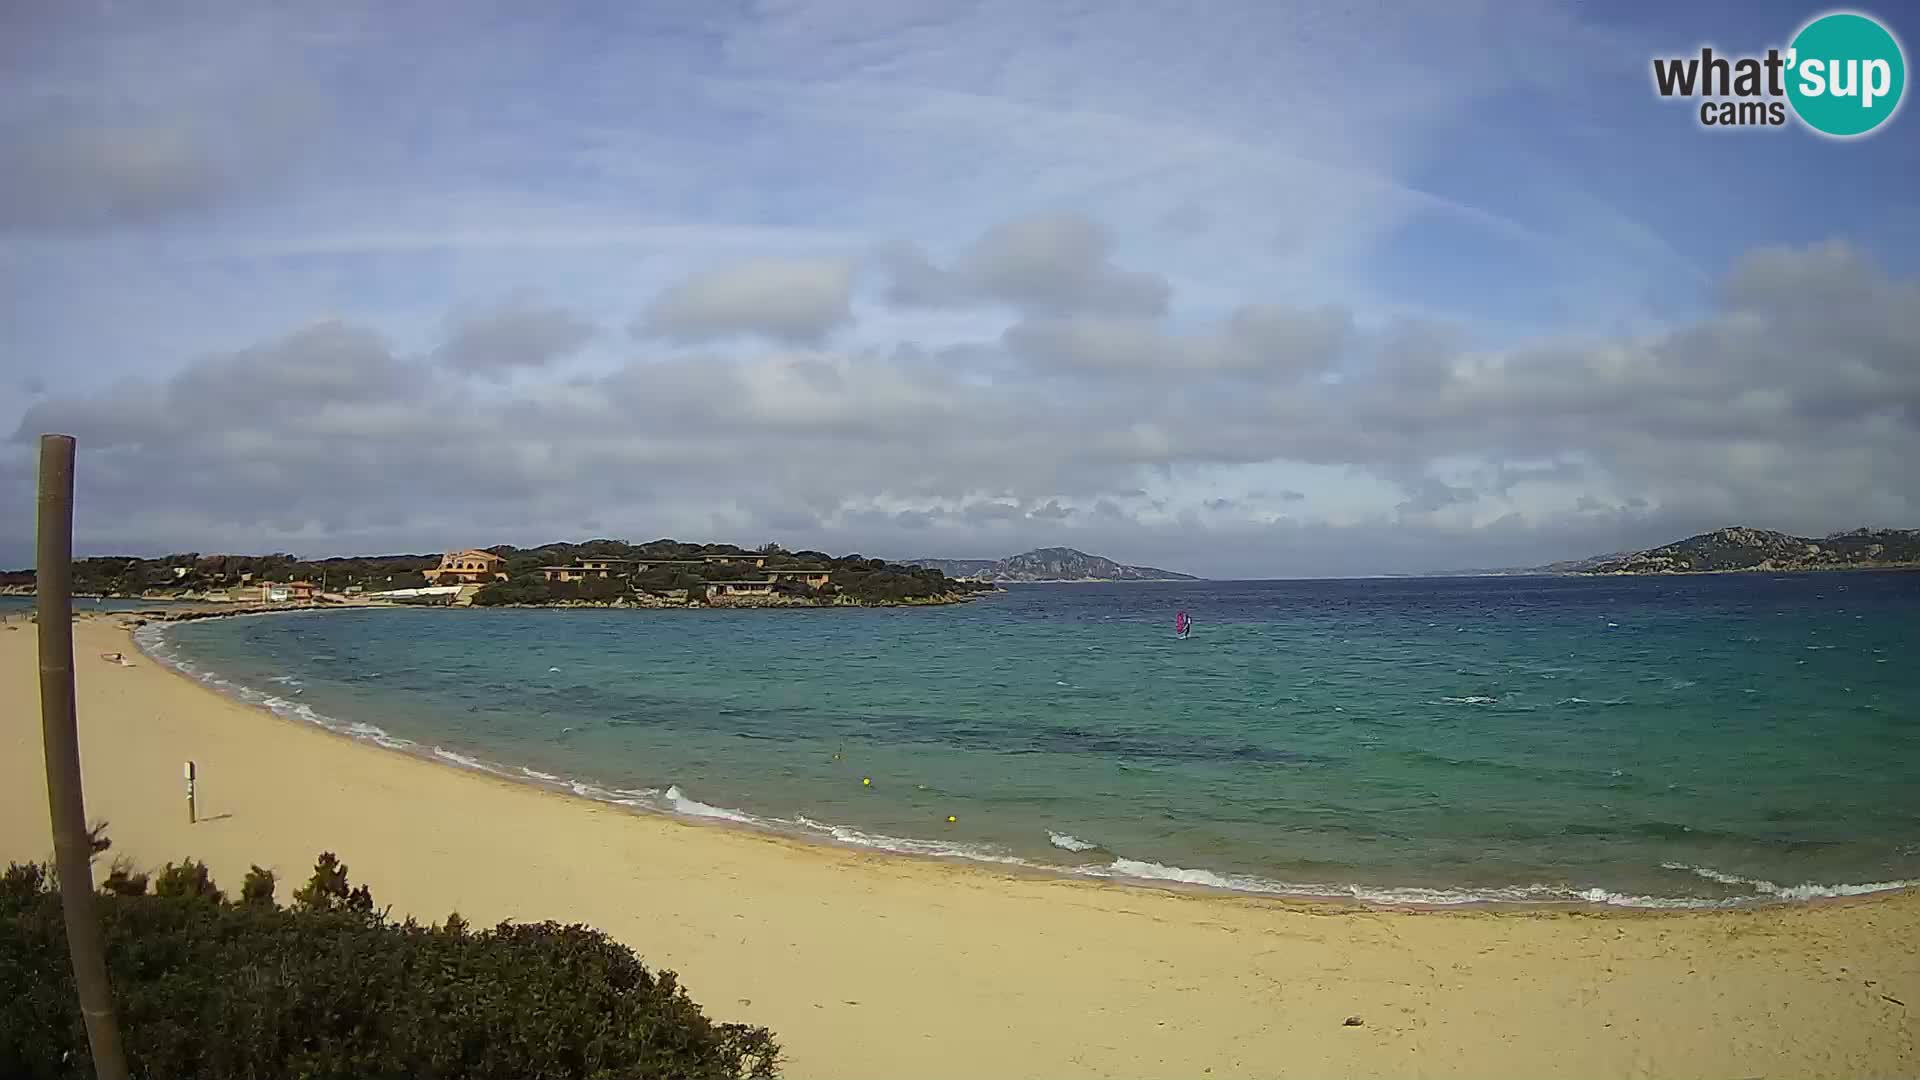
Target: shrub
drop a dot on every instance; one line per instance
(123, 881)
(189, 880)
(325, 990)
(23, 882)
(327, 889)
(532, 589)
(607, 588)
(258, 888)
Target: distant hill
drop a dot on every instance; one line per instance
(1742, 548)
(192, 574)
(1049, 564)
(1579, 566)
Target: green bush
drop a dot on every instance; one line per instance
(123, 881)
(328, 889)
(189, 880)
(603, 588)
(331, 989)
(532, 589)
(258, 888)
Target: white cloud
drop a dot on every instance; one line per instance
(1149, 271)
(1736, 417)
(1051, 263)
(1270, 340)
(519, 332)
(790, 300)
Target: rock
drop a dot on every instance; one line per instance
(1352, 1021)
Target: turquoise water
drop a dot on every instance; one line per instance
(1633, 741)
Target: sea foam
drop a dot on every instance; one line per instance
(679, 803)
(462, 760)
(152, 641)
(1804, 891)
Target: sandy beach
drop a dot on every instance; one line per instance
(880, 966)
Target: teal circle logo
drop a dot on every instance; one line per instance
(1845, 75)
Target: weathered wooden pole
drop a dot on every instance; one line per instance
(60, 738)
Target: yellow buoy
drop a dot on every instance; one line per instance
(866, 781)
(951, 819)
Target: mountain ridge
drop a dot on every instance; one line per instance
(1739, 548)
(1049, 564)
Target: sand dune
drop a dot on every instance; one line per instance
(870, 966)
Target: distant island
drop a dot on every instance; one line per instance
(1047, 564)
(1741, 549)
(662, 573)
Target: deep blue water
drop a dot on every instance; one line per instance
(1620, 740)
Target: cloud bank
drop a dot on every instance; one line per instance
(1795, 402)
(1243, 290)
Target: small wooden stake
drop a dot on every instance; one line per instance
(193, 814)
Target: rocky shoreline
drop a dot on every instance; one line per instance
(1740, 549)
(647, 603)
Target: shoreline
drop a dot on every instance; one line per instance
(1877, 568)
(203, 608)
(671, 804)
(870, 965)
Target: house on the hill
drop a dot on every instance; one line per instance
(469, 567)
(812, 579)
(589, 568)
(281, 592)
(741, 558)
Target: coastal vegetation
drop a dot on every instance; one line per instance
(667, 569)
(1742, 548)
(192, 572)
(654, 571)
(330, 986)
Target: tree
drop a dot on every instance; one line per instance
(327, 889)
(257, 890)
(602, 588)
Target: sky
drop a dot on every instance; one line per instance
(1237, 289)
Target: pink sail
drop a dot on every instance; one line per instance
(1182, 624)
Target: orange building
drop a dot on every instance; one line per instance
(280, 592)
(469, 567)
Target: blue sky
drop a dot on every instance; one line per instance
(1346, 288)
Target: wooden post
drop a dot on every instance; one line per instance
(192, 811)
(60, 740)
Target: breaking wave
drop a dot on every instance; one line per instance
(1804, 891)
(674, 800)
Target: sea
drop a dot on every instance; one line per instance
(20, 606)
(1639, 742)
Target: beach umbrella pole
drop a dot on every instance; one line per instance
(60, 738)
